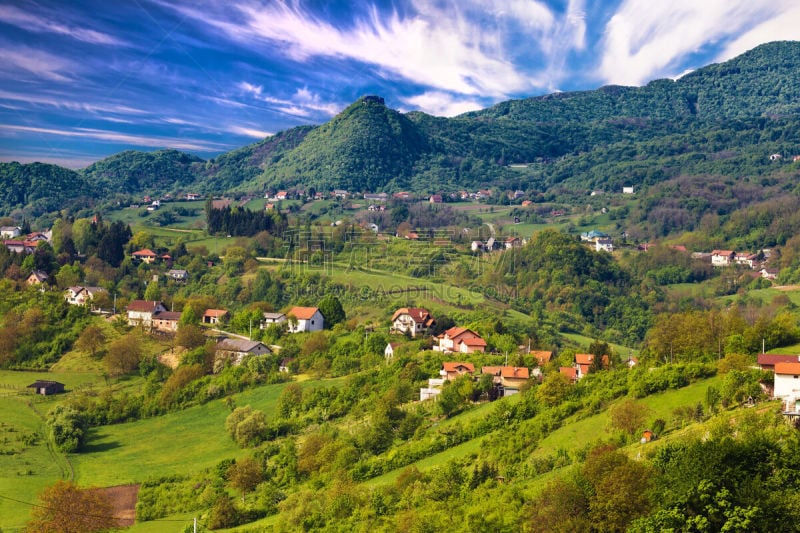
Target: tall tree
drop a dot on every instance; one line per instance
(65, 508)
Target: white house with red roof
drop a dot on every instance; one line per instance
(412, 320)
(511, 378)
(457, 339)
(141, 312)
(453, 369)
(308, 319)
(787, 385)
(214, 316)
(146, 256)
(583, 363)
(722, 258)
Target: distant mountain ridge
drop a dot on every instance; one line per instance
(737, 108)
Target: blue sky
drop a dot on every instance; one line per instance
(83, 79)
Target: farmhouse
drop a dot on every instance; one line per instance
(462, 340)
(233, 351)
(37, 277)
(722, 258)
(510, 378)
(787, 385)
(272, 318)
(767, 361)
(82, 295)
(308, 319)
(583, 363)
(412, 321)
(452, 370)
(542, 357)
(605, 245)
(178, 275)
(140, 312)
(145, 256)
(46, 388)
(214, 316)
(10, 232)
(166, 321)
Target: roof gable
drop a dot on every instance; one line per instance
(303, 313)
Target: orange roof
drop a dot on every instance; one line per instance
(474, 341)
(303, 313)
(722, 252)
(493, 370)
(144, 305)
(456, 366)
(787, 368)
(215, 312)
(542, 356)
(514, 372)
(417, 314)
(145, 253)
(569, 371)
(584, 358)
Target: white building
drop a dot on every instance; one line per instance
(308, 319)
(787, 385)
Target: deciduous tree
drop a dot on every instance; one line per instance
(65, 508)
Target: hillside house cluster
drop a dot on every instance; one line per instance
(600, 240)
(17, 243)
(506, 380)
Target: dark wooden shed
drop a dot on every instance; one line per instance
(46, 388)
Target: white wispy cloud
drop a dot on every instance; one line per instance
(457, 47)
(646, 39)
(61, 101)
(44, 24)
(441, 104)
(249, 132)
(782, 27)
(303, 103)
(21, 59)
(117, 137)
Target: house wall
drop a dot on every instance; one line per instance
(787, 388)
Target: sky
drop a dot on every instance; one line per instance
(83, 79)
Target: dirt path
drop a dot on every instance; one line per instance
(123, 502)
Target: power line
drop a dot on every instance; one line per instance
(31, 504)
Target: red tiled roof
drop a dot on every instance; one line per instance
(474, 341)
(770, 359)
(168, 315)
(144, 305)
(303, 313)
(145, 253)
(514, 372)
(787, 368)
(542, 356)
(493, 370)
(569, 371)
(584, 358)
(454, 366)
(417, 314)
(215, 313)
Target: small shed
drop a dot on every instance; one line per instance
(45, 388)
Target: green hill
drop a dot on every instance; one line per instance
(40, 187)
(143, 172)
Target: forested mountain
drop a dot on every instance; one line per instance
(133, 171)
(40, 187)
(717, 124)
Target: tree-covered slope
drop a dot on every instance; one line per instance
(363, 148)
(143, 172)
(39, 187)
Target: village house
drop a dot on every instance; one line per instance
(145, 256)
(307, 319)
(476, 246)
(82, 295)
(570, 371)
(592, 236)
(10, 232)
(767, 361)
(46, 388)
(166, 321)
(769, 273)
(435, 199)
(141, 312)
(380, 197)
(512, 242)
(271, 318)
(19, 247)
(722, 258)
(388, 352)
(787, 385)
(412, 321)
(542, 357)
(214, 316)
(341, 193)
(453, 369)
(457, 339)
(191, 196)
(583, 363)
(509, 378)
(233, 351)
(748, 260)
(403, 196)
(627, 190)
(37, 277)
(605, 245)
(178, 275)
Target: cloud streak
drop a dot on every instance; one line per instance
(645, 40)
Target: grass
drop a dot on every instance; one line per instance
(25, 470)
(581, 433)
(584, 343)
